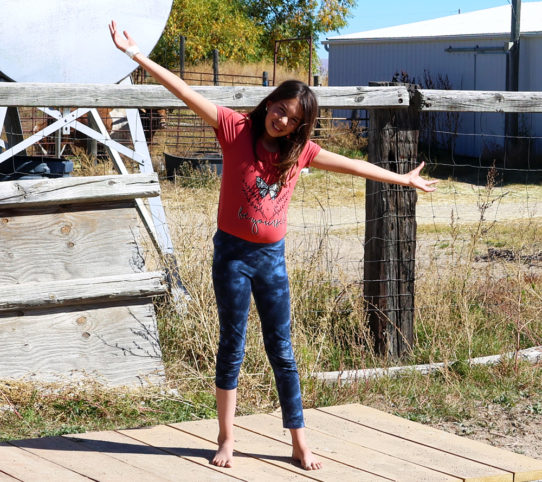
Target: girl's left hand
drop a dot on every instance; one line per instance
(415, 180)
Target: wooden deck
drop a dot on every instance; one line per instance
(354, 442)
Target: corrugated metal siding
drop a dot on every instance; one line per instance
(358, 64)
(531, 80)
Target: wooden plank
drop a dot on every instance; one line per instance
(430, 100)
(57, 242)
(201, 451)
(81, 291)
(7, 478)
(83, 460)
(121, 95)
(344, 452)
(160, 243)
(23, 465)
(70, 190)
(116, 344)
(421, 455)
(524, 468)
(250, 445)
(158, 460)
(268, 448)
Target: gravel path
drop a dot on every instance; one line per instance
(348, 217)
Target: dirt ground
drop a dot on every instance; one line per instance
(339, 218)
(518, 429)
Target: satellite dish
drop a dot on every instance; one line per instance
(69, 40)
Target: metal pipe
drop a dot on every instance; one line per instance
(477, 49)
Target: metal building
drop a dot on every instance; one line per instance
(463, 52)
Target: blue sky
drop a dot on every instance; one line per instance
(369, 15)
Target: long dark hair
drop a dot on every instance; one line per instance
(290, 147)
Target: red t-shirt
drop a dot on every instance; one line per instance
(251, 206)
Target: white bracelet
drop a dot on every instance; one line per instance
(132, 51)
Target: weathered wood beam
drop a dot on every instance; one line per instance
(430, 100)
(71, 190)
(17, 297)
(15, 94)
(119, 95)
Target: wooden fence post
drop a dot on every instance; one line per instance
(182, 55)
(390, 232)
(215, 68)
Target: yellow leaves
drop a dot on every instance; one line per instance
(245, 30)
(207, 25)
(333, 14)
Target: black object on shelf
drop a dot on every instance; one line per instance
(34, 167)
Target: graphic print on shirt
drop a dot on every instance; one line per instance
(264, 198)
(266, 189)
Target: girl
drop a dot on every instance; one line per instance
(263, 154)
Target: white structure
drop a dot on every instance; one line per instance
(468, 49)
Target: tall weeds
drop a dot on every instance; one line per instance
(481, 304)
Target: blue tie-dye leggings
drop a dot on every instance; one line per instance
(239, 268)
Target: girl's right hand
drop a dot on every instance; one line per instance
(122, 43)
(178, 87)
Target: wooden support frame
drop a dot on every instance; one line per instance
(155, 221)
(75, 300)
(55, 126)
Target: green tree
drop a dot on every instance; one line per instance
(286, 19)
(208, 25)
(246, 30)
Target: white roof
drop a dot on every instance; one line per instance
(491, 21)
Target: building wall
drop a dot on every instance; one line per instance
(358, 64)
(531, 80)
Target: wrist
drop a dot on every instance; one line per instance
(407, 180)
(132, 51)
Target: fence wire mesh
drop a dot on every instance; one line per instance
(478, 241)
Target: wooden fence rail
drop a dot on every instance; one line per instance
(118, 95)
(349, 97)
(478, 101)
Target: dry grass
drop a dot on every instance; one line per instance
(462, 311)
(253, 69)
(229, 71)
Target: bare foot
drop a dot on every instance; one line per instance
(306, 458)
(224, 454)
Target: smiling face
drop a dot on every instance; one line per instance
(283, 117)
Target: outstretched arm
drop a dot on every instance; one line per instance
(334, 162)
(178, 87)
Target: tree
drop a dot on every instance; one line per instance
(246, 30)
(207, 25)
(283, 19)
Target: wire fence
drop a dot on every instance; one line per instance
(478, 242)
